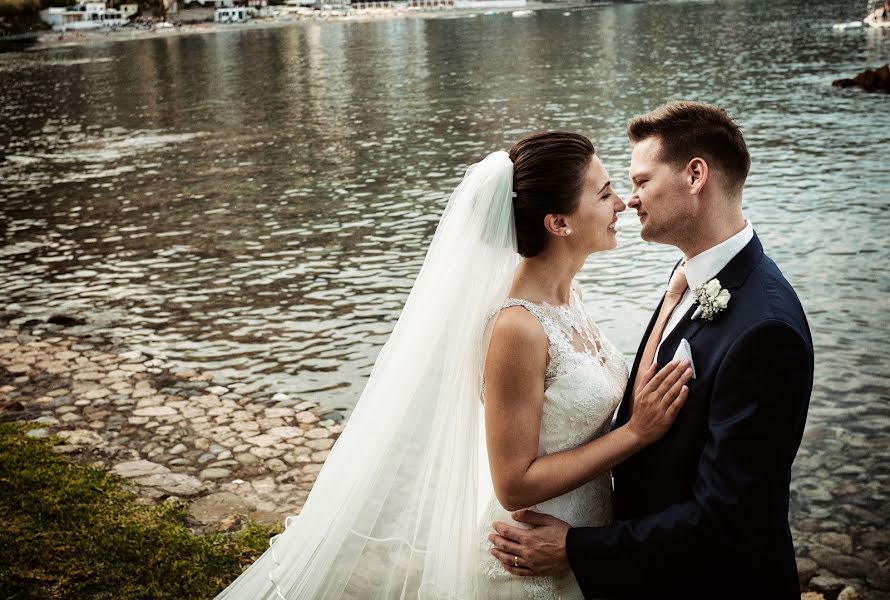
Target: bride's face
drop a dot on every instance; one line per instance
(593, 223)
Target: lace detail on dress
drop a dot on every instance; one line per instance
(583, 384)
(573, 337)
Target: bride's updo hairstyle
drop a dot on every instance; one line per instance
(548, 175)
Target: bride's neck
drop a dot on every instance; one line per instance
(546, 277)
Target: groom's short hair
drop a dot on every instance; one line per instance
(693, 129)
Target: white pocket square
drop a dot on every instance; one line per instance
(684, 352)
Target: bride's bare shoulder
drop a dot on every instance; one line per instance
(517, 358)
(516, 329)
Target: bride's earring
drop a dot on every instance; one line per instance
(568, 232)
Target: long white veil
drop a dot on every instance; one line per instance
(394, 512)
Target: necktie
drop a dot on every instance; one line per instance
(676, 287)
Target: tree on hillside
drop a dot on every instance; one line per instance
(16, 7)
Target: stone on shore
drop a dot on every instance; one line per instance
(266, 517)
(214, 473)
(81, 437)
(320, 457)
(266, 452)
(178, 484)
(155, 411)
(307, 418)
(263, 440)
(132, 356)
(247, 459)
(840, 564)
(318, 433)
(286, 432)
(278, 413)
(276, 465)
(838, 541)
(138, 468)
(807, 568)
(849, 593)
(829, 585)
(214, 508)
(323, 444)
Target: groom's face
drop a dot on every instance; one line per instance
(658, 193)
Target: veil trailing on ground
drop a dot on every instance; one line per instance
(394, 512)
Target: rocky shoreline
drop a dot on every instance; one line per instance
(234, 453)
(238, 452)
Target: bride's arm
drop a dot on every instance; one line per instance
(514, 400)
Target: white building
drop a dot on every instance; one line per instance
(88, 15)
(216, 3)
(232, 14)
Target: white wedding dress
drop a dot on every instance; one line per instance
(400, 508)
(583, 385)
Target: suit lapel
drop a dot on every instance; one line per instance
(732, 276)
(686, 328)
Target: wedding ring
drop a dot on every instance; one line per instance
(516, 561)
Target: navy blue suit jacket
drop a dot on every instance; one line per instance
(703, 512)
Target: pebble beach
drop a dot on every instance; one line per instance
(234, 453)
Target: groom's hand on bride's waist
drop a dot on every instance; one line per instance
(539, 551)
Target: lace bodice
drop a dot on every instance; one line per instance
(583, 384)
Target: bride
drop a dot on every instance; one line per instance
(404, 503)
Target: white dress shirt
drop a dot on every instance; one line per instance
(704, 267)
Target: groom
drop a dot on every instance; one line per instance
(703, 512)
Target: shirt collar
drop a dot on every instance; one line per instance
(705, 266)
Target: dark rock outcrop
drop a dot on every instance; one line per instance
(870, 80)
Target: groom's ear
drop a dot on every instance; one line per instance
(696, 174)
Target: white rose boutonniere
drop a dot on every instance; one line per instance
(711, 299)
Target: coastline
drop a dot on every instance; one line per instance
(47, 40)
(232, 452)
